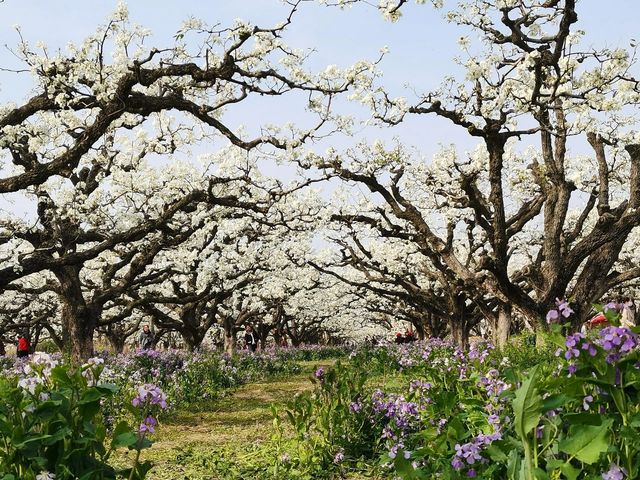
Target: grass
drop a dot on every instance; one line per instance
(229, 440)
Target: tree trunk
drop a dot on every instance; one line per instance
(460, 334)
(229, 336)
(78, 318)
(502, 326)
(192, 338)
(419, 329)
(117, 342)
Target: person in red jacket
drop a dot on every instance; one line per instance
(598, 321)
(23, 346)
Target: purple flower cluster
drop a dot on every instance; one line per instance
(355, 407)
(419, 388)
(612, 306)
(148, 395)
(393, 452)
(319, 374)
(480, 351)
(617, 341)
(575, 343)
(469, 453)
(493, 385)
(402, 417)
(148, 425)
(614, 473)
(562, 309)
(400, 412)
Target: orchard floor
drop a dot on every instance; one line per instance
(228, 441)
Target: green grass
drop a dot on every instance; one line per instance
(228, 440)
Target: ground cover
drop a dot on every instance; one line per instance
(231, 438)
(567, 406)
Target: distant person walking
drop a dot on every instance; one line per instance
(628, 318)
(283, 342)
(145, 341)
(250, 338)
(23, 346)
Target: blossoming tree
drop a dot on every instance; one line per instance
(86, 150)
(544, 204)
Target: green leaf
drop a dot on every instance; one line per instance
(90, 396)
(554, 401)
(583, 418)
(527, 405)
(60, 377)
(108, 388)
(496, 453)
(403, 467)
(514, 465)
(540, 474)
(123, 436)
(124, 440)
(142, 469)
(587, 442)
(31, 440)
(570, 471)
(565, 468)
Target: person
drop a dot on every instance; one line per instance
(145, 341)
(597, 321)
(409, 336)
(399, 338)
(628, 318)
(23, 346)
(284, 343)
(250, 338)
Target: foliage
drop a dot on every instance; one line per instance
(478, 413)
(50, 424)
(330, 425)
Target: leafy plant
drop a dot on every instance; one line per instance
(51, 424)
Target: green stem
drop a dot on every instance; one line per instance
(527, 459)
(535, 447)
(623, 414)
(137, 459)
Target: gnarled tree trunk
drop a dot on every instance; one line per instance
(78, 319)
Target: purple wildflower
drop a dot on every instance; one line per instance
(614, 473)
(564, 308)
(148, 426)
(617, 341)
(150, 394)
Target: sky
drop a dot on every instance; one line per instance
(421, 45)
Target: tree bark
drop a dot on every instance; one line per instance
(460, 334)
(117, 342)
(502, 326)
(229, 336)
(77, 317)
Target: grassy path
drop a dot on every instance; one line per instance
(223, 443)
